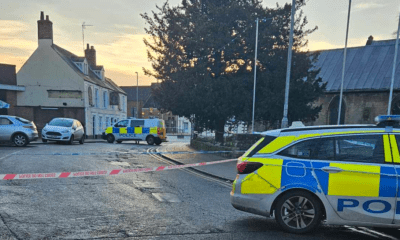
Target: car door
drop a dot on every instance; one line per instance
(140, 132)
(120, 129)
(395, 142)
(358, 177)
(6, 129)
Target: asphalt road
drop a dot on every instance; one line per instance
(171, 204)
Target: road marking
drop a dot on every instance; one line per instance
(147, 184)
(14, 153)
(166, 197)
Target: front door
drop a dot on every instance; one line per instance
(357, 176)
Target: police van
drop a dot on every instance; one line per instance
(344, 175)
(152, 131)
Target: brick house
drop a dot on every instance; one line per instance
(8, 88)
(366, 83)
(61, 84)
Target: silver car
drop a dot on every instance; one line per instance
(17, 130)
(63, 130)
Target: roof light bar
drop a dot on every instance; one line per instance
(387, 120)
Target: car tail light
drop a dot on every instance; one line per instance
(248, 167)
(30, 127)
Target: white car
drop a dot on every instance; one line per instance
(63, 130)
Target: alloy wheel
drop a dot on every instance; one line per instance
(298, 212)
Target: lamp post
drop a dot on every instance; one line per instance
(344, 65)
(394, 69)
(285, 120)
(137, 95)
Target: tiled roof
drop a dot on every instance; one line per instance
(69, 58)
(144, 92)
(368, 68)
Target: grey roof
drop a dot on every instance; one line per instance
(368, 68)
(69, 58)
(145, 95)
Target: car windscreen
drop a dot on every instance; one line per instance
(23, 120)
(61, 123)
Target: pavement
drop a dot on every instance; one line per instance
(99, 140)
(224, 170)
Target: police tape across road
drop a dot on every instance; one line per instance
(139, 153)
(113, 172)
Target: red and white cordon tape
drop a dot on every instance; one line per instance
(113, 172)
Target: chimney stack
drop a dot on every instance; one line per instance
(370, 39)
(90, 55)
(45, 29)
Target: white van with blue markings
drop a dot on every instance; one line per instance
(152, 131)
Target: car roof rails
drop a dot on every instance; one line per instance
(388, 121)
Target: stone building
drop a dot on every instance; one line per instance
(366, 83)
(61, 84)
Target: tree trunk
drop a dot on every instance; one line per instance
(219, 133)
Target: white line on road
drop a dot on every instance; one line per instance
(13, 153)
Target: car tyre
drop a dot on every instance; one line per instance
(44, 140)
(110, 138)
(71, 140)
(82, 141)
(150, 140)
(298, 212)
(157, 141)
(20, 140)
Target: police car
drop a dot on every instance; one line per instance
(343, 175)
(152, 131)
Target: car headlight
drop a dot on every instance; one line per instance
(65, 131)
(44, 130)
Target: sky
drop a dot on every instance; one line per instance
(118, 29)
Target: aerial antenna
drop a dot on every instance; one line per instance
(83, 34)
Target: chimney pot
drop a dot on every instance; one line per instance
(370, 39)
(90, 55)
(45, 28)
(41, 15)
(92, 47)
(87, 46)
(47, 17)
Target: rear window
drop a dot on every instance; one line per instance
(23, 120)
(267, 139)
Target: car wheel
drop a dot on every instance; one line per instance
(71, 140)
(119, 141)
(44, 140)
(110, 138)
(82, 141)
(157, 141)
(150, 140)
(298, 212)
(20, 140)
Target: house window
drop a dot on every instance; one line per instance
(334, 111)
(107, 121)
(105, 99)
(90, 96)
(100, 124)
(97, 97)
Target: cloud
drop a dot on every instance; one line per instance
(12, 38)
(10, 27)
(369, 5)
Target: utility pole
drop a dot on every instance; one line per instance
(285, 120)
(137, 95)
(344, 65)
(394, 69)
(83, 34)
(255, 75)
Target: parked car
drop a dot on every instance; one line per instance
(343, 175)
(17, 130)
(63, 130)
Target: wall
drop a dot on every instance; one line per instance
(46, 70)
(360, 108)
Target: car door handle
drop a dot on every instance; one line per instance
(332, 169)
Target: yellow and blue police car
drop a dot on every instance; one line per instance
(343, 175)
(152, 131)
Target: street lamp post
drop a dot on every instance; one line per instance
(394, 69)
(137, 95)
(285, 121)
(344, 65)
(255, 75)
